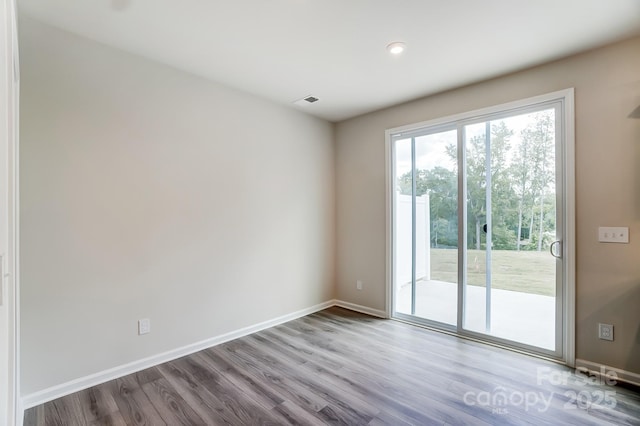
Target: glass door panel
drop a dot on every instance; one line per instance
(510, 282)
(476, 286)
(436, 227)
(425, 227)
(403, 228)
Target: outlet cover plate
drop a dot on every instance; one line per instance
(144, 326)
(605, 331)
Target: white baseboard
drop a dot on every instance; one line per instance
(362, 309)
(76, 385)
(81, 383)
(595, 368)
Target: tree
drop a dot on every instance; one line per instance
(502, 199)
(501, 191)
(522, 176)
(522, 181)
(540, 137)
(442, 186)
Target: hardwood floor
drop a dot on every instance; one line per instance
(341, 367)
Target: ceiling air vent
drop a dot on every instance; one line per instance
(306, 100)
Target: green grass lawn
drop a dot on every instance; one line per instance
(524, 271)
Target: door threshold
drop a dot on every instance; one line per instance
(482, 342)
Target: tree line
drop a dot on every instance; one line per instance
(522, 188)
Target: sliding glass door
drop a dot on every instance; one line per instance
(427, 227)
(477, 225)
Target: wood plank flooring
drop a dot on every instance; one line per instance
(341, 367)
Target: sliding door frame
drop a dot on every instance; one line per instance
(565, 201)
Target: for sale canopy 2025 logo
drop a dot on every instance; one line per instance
(588, 391)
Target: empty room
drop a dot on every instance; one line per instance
(320, 212)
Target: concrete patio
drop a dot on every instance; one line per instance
(521, 317)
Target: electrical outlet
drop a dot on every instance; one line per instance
(359, 285)
(144, 326)
(605, 331)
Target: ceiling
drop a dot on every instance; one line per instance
(284, 50)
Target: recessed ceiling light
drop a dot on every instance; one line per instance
(396, 48)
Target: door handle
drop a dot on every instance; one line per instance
(553, 244)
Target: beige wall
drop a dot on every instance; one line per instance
(150, 193)
(607, 89)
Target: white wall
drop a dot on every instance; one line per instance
(8, 89)
(150, 193)
(607, 90)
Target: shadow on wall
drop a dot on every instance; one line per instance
(632, 360)
(626, 326)
(635, 287)
(635, 351)
(635, 114)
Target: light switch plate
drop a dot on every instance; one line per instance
(611, 234)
